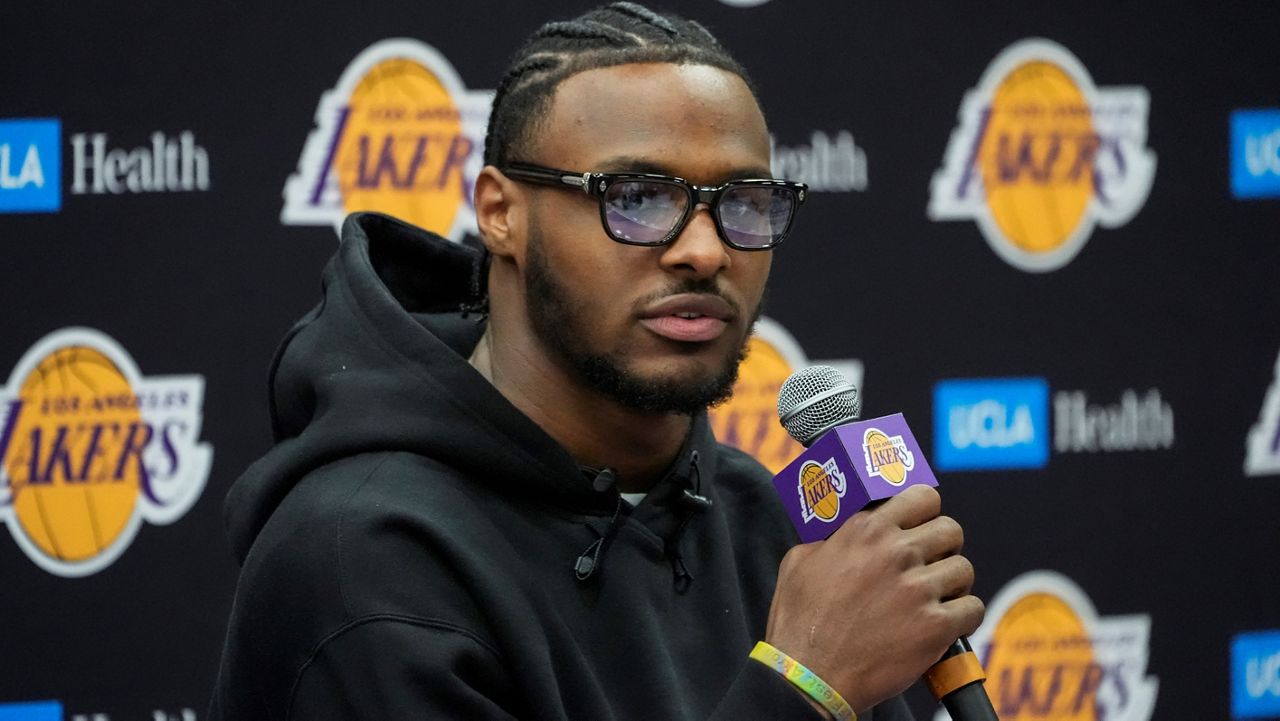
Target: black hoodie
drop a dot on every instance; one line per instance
(415, 547)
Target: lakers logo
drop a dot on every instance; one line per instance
(399, 134)
(821, 487)
(749, 419)
(1042, 155)
(89, 449)
(1049, 657)
(1262, 451)
(887, 456)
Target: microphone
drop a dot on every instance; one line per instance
(820, 409)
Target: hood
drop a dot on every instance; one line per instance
(380, 365)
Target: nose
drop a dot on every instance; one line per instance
(698, 250)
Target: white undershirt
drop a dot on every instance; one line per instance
(633, 498)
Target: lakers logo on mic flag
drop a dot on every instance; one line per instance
(847, 468)
(887, 456)
(821, 487)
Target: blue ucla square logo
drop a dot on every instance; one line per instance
(30, 166)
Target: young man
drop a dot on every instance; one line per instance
(528, 517)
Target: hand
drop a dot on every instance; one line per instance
(871, 608)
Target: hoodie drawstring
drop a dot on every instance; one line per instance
(691, 502)
(591, 559)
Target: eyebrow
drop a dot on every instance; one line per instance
(632, 164)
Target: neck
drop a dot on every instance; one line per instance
(595, 429)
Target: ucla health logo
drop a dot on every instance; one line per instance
(399, 134)
(1255, 675)
(1255, 153)
(1042, 155)
(31, 711)
(991, 423)
(30, 165)
(53, 711)
(749, 419)
(1049, 655)
(827, 163)
(90, 448)
(983, 423)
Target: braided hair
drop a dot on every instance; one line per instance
(617, 34)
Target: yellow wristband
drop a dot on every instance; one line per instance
(805, 680)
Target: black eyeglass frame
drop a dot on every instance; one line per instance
(597, 186)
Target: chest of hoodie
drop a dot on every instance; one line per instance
(631, 625)
(506, 568)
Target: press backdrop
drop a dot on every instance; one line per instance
(1047, 233)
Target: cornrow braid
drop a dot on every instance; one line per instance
(615, 34)
(644, 14)
(589, 30)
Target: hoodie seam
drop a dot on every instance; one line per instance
(342, 520)
(418, 621)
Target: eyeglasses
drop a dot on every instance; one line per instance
(647, 209)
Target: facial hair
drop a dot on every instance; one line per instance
(560, 324)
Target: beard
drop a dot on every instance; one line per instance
(559, 322)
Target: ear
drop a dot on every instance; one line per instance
(501, 213)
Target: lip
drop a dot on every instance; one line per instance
(699, 303)
(666, 317)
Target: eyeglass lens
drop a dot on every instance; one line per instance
(645, 211)
(756, 216)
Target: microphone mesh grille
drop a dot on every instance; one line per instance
(840, 407)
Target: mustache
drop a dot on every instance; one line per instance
(700, 286)
(709, 286)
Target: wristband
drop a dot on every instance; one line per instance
(805, 680)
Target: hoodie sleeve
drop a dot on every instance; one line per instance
(760, 693)
(389, 668)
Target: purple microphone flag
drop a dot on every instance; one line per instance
(847, 468)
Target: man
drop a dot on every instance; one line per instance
(528, 517)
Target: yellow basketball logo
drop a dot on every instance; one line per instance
(821, 488)
(1041, 631)
(749, 419)
(399, 134)
(1037, 158)
(887, 456)
(73, 493)
(1048, 655)
(89, 449)
(1042, 155)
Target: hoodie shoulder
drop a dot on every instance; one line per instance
(381, 366)
(368, 536)
(380, 533)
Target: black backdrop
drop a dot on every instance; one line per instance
(1184, 298)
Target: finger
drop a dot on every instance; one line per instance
(966, 614)
(937, 538)
(912, 507)
(950, 578)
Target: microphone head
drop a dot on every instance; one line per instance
(814, 400)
